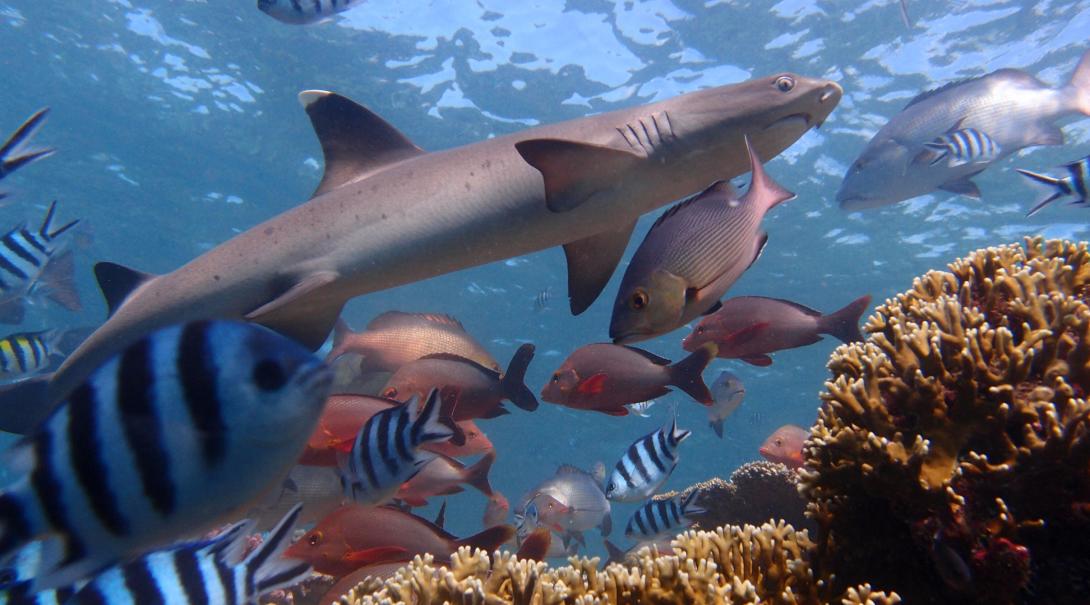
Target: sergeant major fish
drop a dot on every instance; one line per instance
(647, 464)
(1075, 183)
(34, 265)
(304, 12)
(1011, 107)
(182, 430)
(728, 392)
(26, 353)
(964, 146)
(662, 517)
(692, 255)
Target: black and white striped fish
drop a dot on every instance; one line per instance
(1076, 182)
(386, 451)
(964, 146)
(302, 12)
(13, 154)
(182, 430)
(646, 465)
(34, 264)
(662, 517)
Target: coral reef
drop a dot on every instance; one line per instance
(951, 457)
(757, 491)
(747, 564)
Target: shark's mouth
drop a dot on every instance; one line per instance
(803, 120)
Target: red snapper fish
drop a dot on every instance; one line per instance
(606, 377)
(785, 446)
(443, 476)
(394, 338)
(751, 327)
(355, 535)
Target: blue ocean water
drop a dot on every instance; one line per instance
(177, 127)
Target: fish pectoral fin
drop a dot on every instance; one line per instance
(593, 385)
(963, 186)
(746, 334)
(355, 141)
(1046, 134)
(591, 262)
(574, 172)
(118, 282)
(295, 315)
(712, 309)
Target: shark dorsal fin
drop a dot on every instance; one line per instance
(117, 282)
(355, 140)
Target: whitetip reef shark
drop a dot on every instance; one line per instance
(387, 213)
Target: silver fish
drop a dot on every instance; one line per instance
(647, 464)
(641, 409)
(569, 502)
(728, 393)
(1015, 109)
(180, 432)
(1075, 183)
(692, 255)
(303, 12)
(13, 153)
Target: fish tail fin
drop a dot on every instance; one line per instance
(46, 230)
(717, 426)
(513, 382)
(1057, 185)
(10, 163)
(689, 506)
(677, 435)
(844, 324)
(687, 374)
(616, 555)
(1080, 85)
(265, 564)
(59, 281)
(477, 475)
(536, 546)
(434, 422)
(488, 540)
(341, 331)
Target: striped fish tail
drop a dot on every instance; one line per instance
(44, 230)
(431, 424)
(1060, 188)
(266, 569)
(12, 154)
(688, 505)
(676, 434)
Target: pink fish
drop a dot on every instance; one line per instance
(751, 327)
(444, 475)
(394, 338)
(497, 509)
(785, 446)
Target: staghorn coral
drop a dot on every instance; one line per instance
(757, 491)
(951, 457)
(747, 564)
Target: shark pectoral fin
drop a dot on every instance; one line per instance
(591, 262)
(963, 186)
(574, 171)
(355, 141)
(295, 315)
(117, 282)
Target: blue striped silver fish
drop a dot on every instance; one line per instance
(33, 265)
(1076, 182)
(302, 12)
(662, 517)
(964, 146)
(386, 451)
(14, 154)
(181, 431)
(646, 465)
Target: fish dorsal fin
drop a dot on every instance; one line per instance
(355, 140)
(394, 319)
(723, 187)
(1016, 74)
(655, 359)
(591, 262)
(459, 359)
(800, 307)
(117, 282)
(568, 469)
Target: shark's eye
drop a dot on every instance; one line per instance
(785, 83)
(638, 300)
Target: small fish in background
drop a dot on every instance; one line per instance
(692, 255)
(728, 392)
(395, 338)
(444, 476)
(14, 154)
(785, 446)
(386, 452)
(662, 517)
(647, 464)
(317, 488)
(496, 510)
(476, 442)
(569, 502)
(1014, 108)
(474, 390)
(541, 301)
(606, 377)
(756, 418)
(751, 327)
(205, 410)
(1075, 183)
(27, 353)
(355, 535)
(304, 12)
(617, 555)
(641, 409)
(960, 147)
(33, 265)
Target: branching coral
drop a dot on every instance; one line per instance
(757, 491)
(951, 457)
(747, 564)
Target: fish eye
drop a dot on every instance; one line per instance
(556, 377)
(785, 83)
(390, 393)
(779, 442)
(269, 376)
(638, 300)
(315, 538)
(610, 487)
(700, 329)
